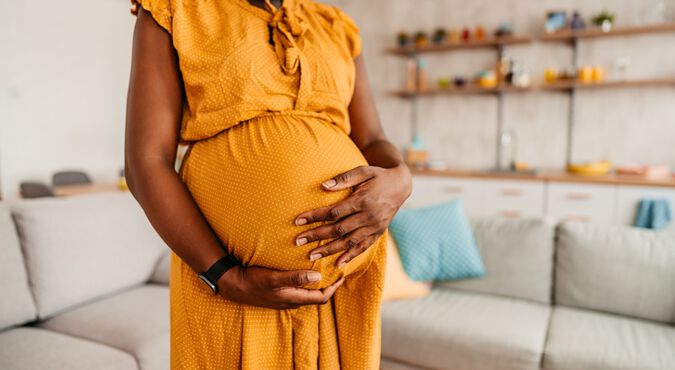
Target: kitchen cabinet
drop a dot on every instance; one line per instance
(581, 202)
(491, 196)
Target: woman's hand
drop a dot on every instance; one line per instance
(269, 288)
(361, 218)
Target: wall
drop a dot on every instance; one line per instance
(65, 72)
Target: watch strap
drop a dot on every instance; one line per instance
(220, 267)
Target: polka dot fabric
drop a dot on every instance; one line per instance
(267, 123)
(436, 242)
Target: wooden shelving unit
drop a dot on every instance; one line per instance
(465, 90)
(570, 87)
(597, 33)
(557, 86)
(435, 48)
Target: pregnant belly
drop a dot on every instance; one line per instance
(252, 180)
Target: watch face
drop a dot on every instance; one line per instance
(208, 283)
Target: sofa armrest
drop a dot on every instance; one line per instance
(162, 269)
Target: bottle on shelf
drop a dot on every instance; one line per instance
(411, 76)
(422, 77)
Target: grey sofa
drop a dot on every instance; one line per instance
(84, 287)
(572, 297)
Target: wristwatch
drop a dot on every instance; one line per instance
(210, 277)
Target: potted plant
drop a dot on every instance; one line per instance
(604, 20)
(420, 38)
(439, 36)
(403, 39)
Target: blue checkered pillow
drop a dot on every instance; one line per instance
(436, 243)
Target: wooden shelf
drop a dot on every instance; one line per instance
(558, 86)
(598, 33)
(432, 48)
(550, 176)
(570, 85)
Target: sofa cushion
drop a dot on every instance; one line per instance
(518, 257)
(436, 242)
(16, 304)
(136, 321)
(580, 339)
(389, 364)
(616, 269)
(462, 330)
(37, 349)
(397, 284)
(84, 247)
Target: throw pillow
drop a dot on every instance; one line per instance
(436, 242)
(397, 284)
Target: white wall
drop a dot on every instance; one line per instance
(65, 71)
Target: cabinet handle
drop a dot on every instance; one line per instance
(578, 218)
(510, 214)
(578, 196)
(511, 192)
(453, 189)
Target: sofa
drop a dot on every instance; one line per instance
(85, 287)
(575, 296)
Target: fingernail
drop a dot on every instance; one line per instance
(313, 276)
(342, 264)
(330, 183)
(314, 257)
(301, 241)
(301, 221)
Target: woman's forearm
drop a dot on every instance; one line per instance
(382, 153)
(173, 212)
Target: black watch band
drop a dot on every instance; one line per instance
(211, 276)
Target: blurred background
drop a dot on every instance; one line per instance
(540, 133)
(65, 74)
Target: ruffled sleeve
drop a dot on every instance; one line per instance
(161, 11)
(352, 33)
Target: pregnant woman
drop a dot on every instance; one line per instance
(278, 216)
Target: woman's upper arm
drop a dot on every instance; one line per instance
(365, 121)
(155, 96)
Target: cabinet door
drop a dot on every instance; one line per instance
(428, 190)
(513, 198)
(581, 202)
(630, 196)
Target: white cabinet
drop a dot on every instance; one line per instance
(428, 190)
(528, 198)
(581, 202)
(629, 197)
(513, 198)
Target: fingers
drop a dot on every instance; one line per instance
(349, 241)
(333, 212)
(350, 178)
(282, 279)
(352, 253)
(332, 230)
(301, 296)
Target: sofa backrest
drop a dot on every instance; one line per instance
(16, 302)
(84, 247)
(518, 258)
(616, 269)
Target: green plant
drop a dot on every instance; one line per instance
(603, 16)
(403, 38)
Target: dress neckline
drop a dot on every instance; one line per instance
(269, 9)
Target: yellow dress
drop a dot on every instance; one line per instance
(266, 116)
